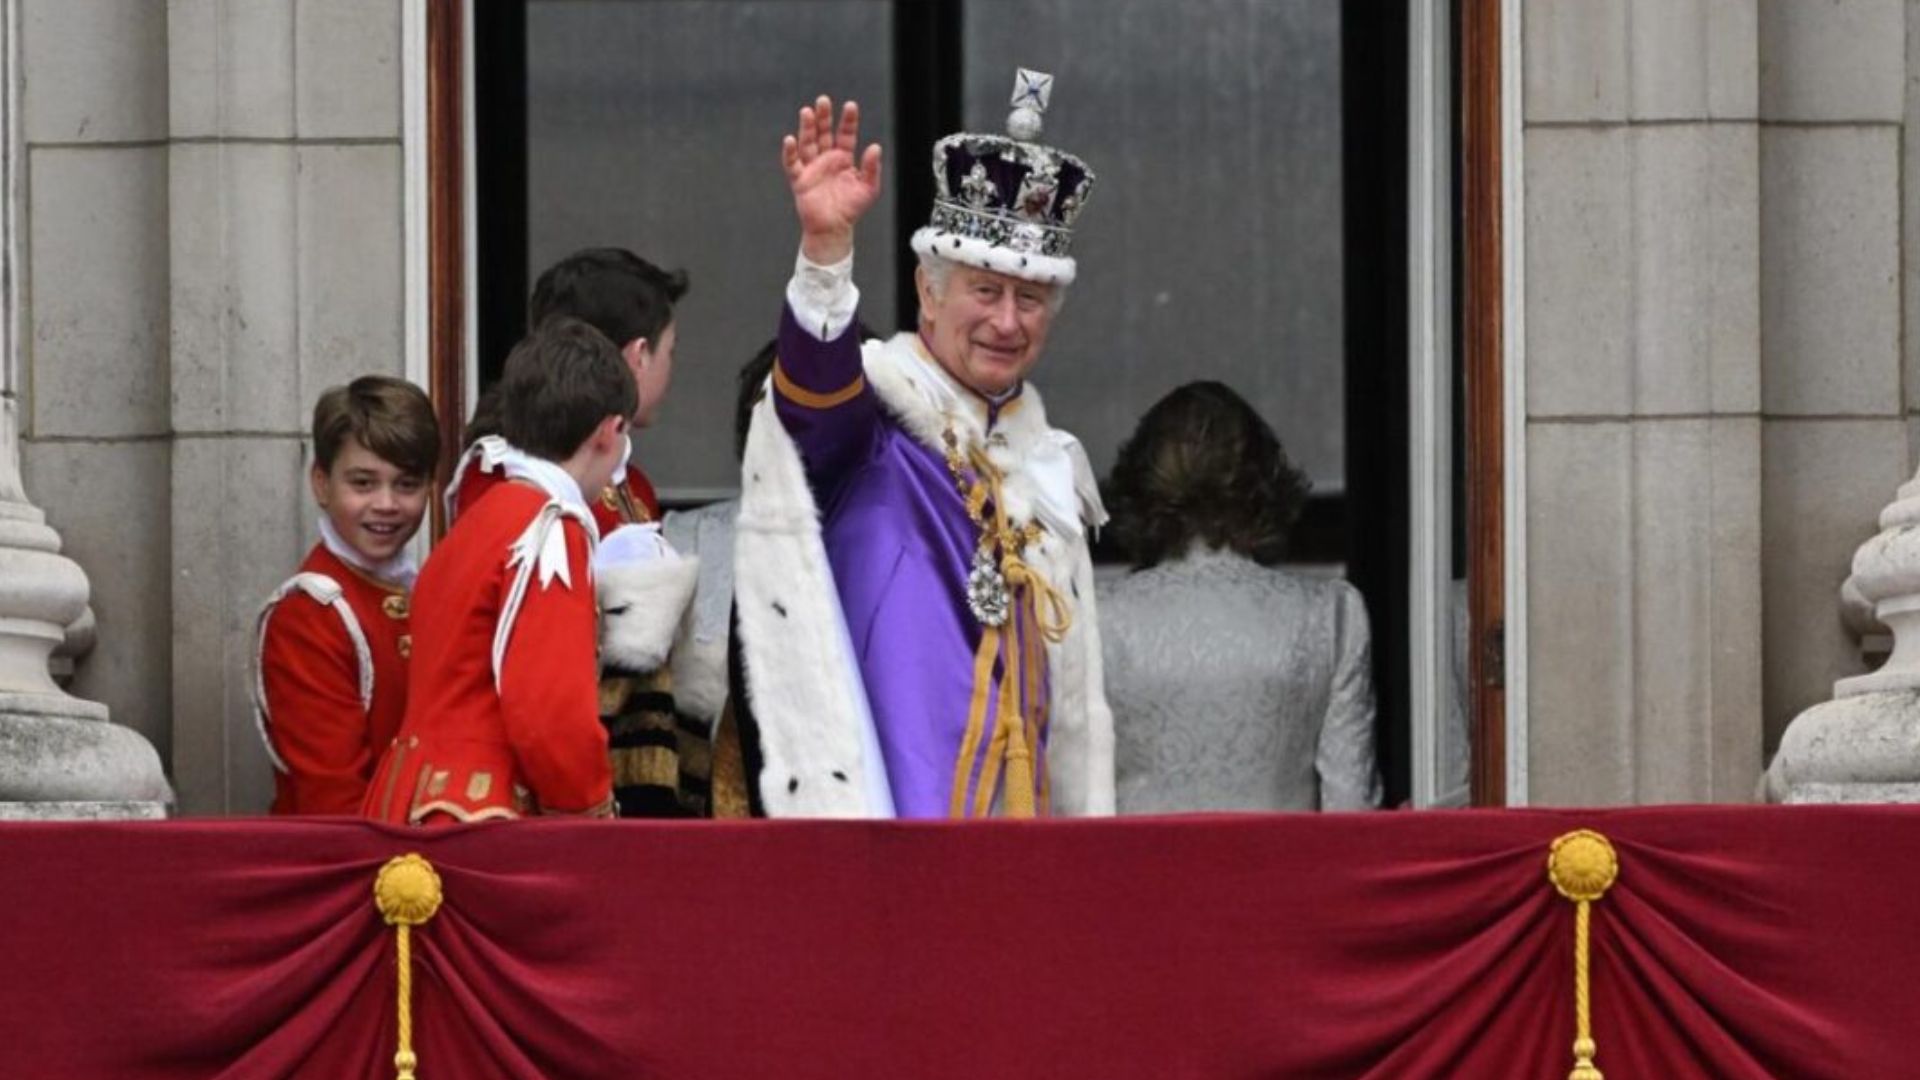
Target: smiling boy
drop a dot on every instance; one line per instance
(332, 641)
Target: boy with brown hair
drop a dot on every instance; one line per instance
(331, 643)
(631, 301)
(503, 719)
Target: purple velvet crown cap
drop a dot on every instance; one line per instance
(1006, 202)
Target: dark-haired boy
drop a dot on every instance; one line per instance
(503, 718)
(331, 643)
(629, 300)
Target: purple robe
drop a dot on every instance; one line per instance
(900, 544)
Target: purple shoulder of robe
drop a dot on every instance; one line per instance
(900, 544)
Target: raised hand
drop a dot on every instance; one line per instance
(830, 191)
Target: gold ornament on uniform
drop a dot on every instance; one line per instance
(407, 892)
(1582, 867)
(999, 581)
(999, 564)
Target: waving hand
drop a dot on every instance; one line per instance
(831, 192)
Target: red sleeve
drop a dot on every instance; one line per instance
(550, 689)
(311, 678)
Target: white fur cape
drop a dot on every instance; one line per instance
(642, 606)
(821, 759)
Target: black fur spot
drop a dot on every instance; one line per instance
(780, 608)
(956, 241)
(1023, 260)
(840, 776)
(1076, 589)
(793, 784)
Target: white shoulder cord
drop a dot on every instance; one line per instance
(543, 548)
(326, 592)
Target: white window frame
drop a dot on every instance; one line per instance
(1431, 368)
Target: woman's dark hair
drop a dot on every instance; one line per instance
(752, 381)
(1204, 467)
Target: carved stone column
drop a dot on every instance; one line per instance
(1864, 745)
(59, 755)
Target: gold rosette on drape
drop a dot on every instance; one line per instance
(1582, 867)
(407, 892)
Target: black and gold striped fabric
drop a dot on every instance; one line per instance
(662, 762)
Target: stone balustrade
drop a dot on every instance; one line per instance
(1864, 745)
(60, 756)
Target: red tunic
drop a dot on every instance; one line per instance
(532, 742)
(634, 501)
(323, 736)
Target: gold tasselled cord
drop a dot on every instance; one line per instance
(1037, 606)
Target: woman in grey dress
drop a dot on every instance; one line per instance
(1235, 685)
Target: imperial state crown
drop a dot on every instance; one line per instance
(1006, 202)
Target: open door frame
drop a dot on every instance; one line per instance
(446, 231)
(1482, 88)
(1482, 326)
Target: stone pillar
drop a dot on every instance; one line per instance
(1834, 95)
(1642, 206)
(59, 757)
(1864, 745)
(87, 323)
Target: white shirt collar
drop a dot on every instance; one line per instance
(498, 455)
(400, 570)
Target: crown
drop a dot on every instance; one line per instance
(1005, 202)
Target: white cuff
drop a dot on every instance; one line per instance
(823, 298)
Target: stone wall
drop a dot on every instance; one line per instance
(214, 216)
(1716, 390)
(1833, 99)
(97, 451)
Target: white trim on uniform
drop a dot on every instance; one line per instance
(326, 592)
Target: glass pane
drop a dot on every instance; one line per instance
(1211, 246)
(656, 126)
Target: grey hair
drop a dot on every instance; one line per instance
(939, 268)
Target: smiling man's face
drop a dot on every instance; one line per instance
(986, 329)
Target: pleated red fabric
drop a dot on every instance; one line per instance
(1755, 942)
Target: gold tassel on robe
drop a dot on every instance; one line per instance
(1039, 614)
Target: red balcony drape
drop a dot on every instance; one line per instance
(1736, 943)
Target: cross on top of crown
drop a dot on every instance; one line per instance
(1031, 89)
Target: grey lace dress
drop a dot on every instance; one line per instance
(1236, 686)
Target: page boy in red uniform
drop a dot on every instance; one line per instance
(503, 718)
(629, 300)
(331, 643)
